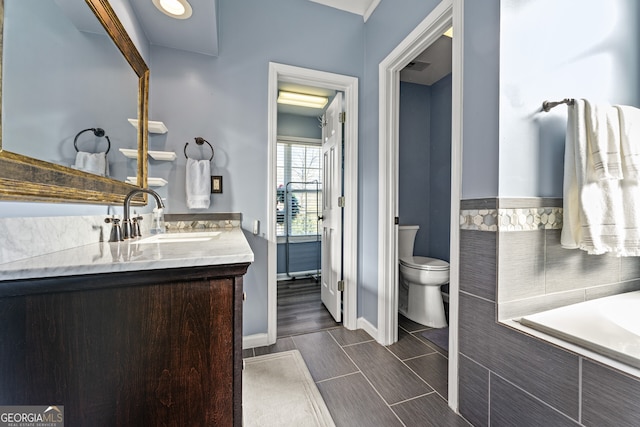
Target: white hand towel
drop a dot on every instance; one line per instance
(95, 163)
(603, 127)
(600, 215)
(198, 183)
(630, 141)
(576, 131)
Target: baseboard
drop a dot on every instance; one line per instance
(255, 340)
(366, 326)
(297, 274)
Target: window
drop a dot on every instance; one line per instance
(299, 187)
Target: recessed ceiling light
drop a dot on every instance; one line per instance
(302, 99)
(179, 9)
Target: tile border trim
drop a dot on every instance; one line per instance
(514, 219)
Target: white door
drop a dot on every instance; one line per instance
(331, 209)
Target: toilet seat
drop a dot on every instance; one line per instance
(425, 263)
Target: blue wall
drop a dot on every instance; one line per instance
(414, 166)
(300, 126)
(595, 57)
(440, 170)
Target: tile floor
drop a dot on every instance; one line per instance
(366, 384)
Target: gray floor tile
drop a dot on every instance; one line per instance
(346, 337)
(352, 402)
(432, 368)
(430, 344)
(409, 346)
(282, 344)
(410, 325)
(323, 356)
(428, 411)
(390, 377)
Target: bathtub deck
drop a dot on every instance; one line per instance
(608, 326)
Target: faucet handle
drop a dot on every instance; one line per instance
(116, 230)
(136, 226)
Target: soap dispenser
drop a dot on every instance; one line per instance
(157, 222)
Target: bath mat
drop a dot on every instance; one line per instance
(439, 337)
(277, 390)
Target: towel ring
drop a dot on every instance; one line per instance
(199, 140)
(99, 132)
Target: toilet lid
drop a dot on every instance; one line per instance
(425, 263)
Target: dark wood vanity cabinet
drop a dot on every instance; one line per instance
(146, 348)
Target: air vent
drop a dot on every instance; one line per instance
(416, 66)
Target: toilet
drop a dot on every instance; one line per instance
(420, 298)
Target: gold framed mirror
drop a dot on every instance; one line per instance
(24, 178)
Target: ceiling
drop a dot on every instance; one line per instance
(431, 65)
(198, 34)
(359, 7)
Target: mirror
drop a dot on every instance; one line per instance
(50, 178)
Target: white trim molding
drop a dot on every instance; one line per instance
(366, 326)
(447, 13)
(255, 340)
(349, 86)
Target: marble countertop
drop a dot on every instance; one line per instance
(228, 247)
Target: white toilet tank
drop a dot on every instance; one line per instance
(406, 240)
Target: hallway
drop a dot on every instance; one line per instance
(300, 309)
(366, 384)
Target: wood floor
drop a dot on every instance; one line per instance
(300, 309)
(366, 384)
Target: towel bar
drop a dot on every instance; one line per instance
(548, 105)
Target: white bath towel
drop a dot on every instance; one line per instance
(95, 163)
(198, 183)
(630, 140)
(603, 133)
(600, 215)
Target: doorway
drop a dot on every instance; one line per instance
(309, 220)
(285, 74)
(449, 13)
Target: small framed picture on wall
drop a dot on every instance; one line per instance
(216, 184)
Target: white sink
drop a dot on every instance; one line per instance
(178, 237)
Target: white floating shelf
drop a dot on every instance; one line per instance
(129, 152)
(162, 155)
(156, 155)
(154, 127)
(151, 181)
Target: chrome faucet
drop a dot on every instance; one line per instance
(129, 232)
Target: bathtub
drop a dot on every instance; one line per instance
(608, 326)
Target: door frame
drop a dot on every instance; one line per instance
(349, 86)
(447, 13)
